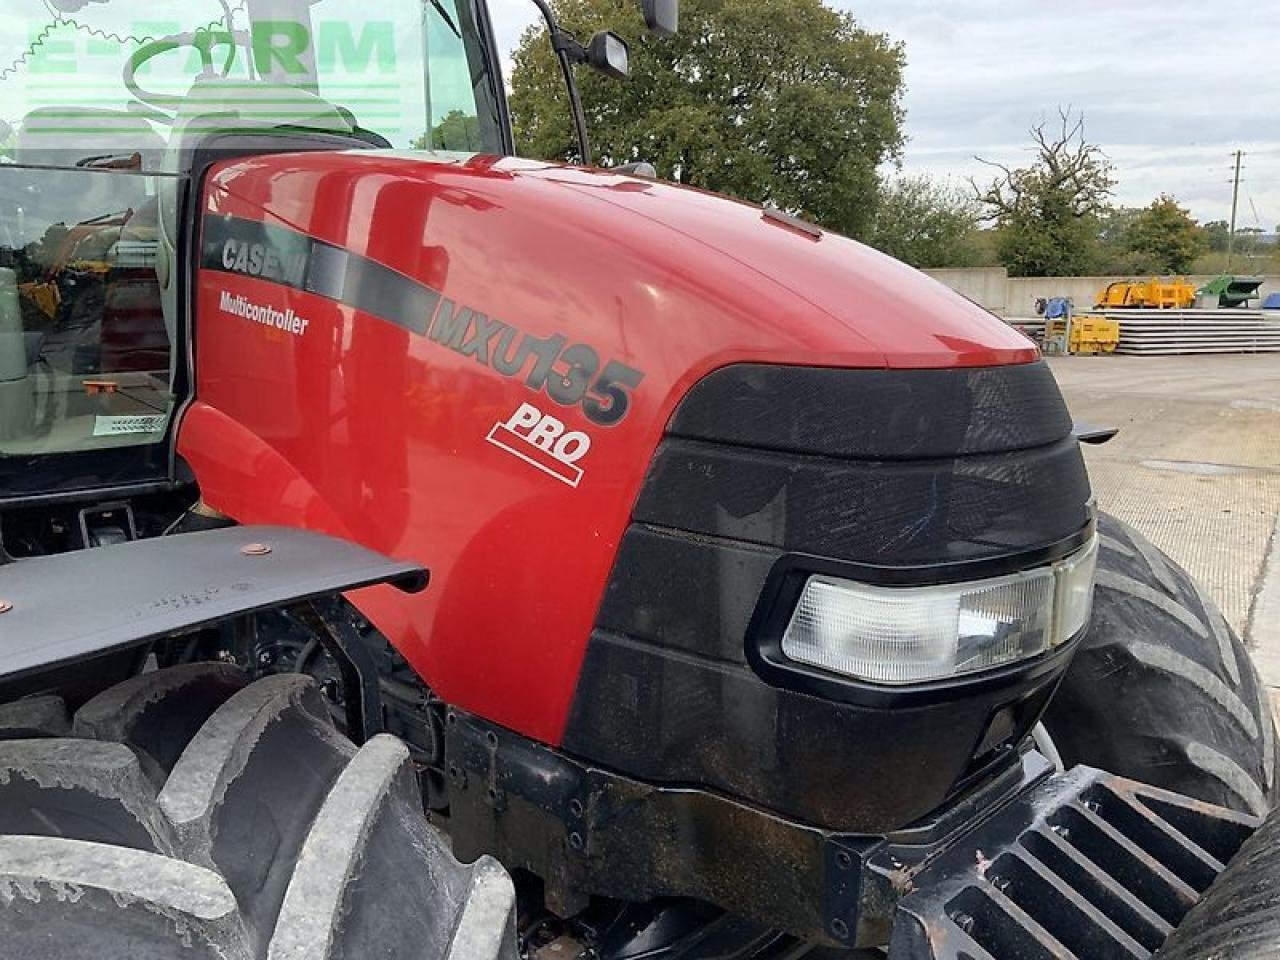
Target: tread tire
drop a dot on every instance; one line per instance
(1162, 690)
(1236, 919)
(187, 812)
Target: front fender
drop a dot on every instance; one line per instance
(243, 476)
(127, 594)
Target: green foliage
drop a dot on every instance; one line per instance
(1167, 237)
(1047, 214)
(457, 131)
(1218, 234)
(1115, 256)
(929, 224)
(781, 102)
(1051, 247)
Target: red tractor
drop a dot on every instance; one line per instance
(770, 613)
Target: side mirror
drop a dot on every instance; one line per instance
(662, 16)
(610, 54)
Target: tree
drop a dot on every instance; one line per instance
(1218, 234)
(928, 224)
(1165, 233)
(781, 102)
(1046, 214)
(1116, 254)
(457, 131)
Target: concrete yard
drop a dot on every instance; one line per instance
(1196, 468)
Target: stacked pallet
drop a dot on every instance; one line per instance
(1157, 332)
(1032, 327)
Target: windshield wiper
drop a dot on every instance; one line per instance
(444, 15)
(123, 161)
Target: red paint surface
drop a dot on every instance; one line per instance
(365, 430)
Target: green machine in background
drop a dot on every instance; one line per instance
(1228, 292)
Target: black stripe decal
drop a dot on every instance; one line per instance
(294, 260)
(570, 374)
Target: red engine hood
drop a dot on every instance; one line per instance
(911, 319)
(368, 419)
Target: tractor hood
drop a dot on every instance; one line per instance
(910, 319)
(762, 286)
(476, 362)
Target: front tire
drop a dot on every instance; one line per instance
(1236, 918)
(187, 812)
(1162, 690)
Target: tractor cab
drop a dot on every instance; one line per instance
(109, 125)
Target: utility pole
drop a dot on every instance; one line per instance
(1235, 201)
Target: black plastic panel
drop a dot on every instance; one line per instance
(876, 414)
(669, 717)
(917, 476)
(893, 513)
(40, 476)
(687, 593)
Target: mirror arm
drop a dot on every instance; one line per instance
(569, 51)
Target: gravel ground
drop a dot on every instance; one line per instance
(1196, 468)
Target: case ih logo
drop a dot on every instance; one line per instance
(542, 441)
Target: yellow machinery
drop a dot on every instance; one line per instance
(1084, 334)
(1065, 333)
(82, 249)
(1155, 293)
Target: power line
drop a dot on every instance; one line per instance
(1235, 202)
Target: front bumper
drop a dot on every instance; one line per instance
(1032, 864)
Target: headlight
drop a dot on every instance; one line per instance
(903, 635)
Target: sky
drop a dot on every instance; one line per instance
(1168, 89)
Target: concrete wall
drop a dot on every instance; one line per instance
(988, 286)
(1016, 296)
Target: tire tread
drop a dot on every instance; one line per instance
(1162, 690)
(254, 788)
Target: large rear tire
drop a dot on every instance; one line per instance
(186, 812)
(1162, 690)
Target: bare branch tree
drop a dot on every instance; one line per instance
(1069, 175)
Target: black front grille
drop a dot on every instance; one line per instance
(915, 469)
(877, 512)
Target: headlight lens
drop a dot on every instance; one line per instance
(904, 635)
